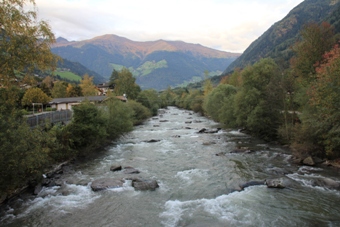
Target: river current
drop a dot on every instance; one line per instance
(197, 186)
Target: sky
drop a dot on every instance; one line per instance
(227, 25)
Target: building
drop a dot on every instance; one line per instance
(68, 103)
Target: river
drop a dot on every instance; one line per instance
(197, 187)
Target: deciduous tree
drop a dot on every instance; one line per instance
(34, 95)
(125, 83)
(87, 86)
(24, 40)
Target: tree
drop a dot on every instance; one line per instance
(315, 41)
(323, 114)
(125, 83)
(207, 87)
(47, 85)
(87, 86)
(24, 41)
(114, 77)
(167, 97)
(88, 126)
(74, 91)
(34, 95)
(217, 99)
(59, 89)
(150, 99)
(254, 104)
(118, 118)
(10, 99)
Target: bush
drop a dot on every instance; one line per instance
(118, 118)
(140, 112)
(88, 127)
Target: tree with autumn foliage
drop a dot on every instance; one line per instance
(315, 41)
(34, 95)
(24, 41)
(87, 86)
(323, 117)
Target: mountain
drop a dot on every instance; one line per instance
(278, 39)
(155, 64)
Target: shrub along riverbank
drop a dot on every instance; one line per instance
(25, 153)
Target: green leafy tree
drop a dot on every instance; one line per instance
(34, 95)
(254, 104)
(118, 118)
(140, 112)
(150, 99)
(59, 89)
(217, 99)
(24, 41)
(125, 83)
(23, 153)
(10, 99)
(88, 127)
(168, 97)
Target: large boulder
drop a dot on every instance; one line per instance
(309, 161)
(106, 183)
(115, 168)
(326, 183)
(281, 182)
(143, 185)
(130, 170)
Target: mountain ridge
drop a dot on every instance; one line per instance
(155, 64)
(114, 43)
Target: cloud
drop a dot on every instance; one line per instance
(220, 24)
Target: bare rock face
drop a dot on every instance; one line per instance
(106, 183)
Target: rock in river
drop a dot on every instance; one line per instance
(105, 183)
(143, 185)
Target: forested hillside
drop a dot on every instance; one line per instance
(277, 41)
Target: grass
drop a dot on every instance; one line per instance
(68, 75)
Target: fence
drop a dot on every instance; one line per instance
(62, 116)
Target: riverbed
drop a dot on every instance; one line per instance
(199, 177)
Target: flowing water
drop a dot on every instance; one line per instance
(197, 187)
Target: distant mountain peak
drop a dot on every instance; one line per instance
(62, 40)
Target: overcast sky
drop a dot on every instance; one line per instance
(228, 25)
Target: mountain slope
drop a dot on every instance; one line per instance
(278, 39)
(155, 64)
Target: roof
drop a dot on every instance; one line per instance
(78, 99)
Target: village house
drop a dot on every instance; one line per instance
(104, 88)
(68, 103)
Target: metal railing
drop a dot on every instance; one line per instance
(53, 117)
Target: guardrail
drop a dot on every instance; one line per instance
(62, 116)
